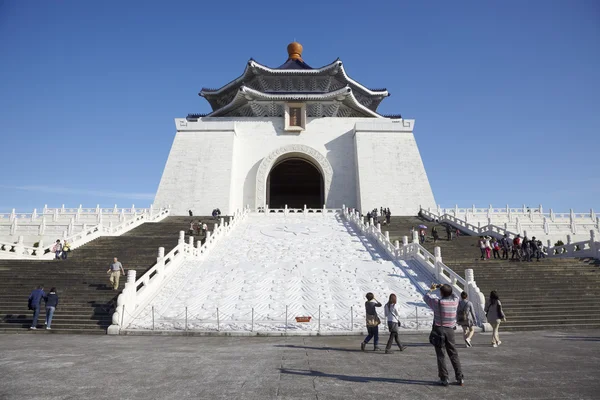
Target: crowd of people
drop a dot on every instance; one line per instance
(448, 312)
(198, 228)
(384, 213)
(519, 249)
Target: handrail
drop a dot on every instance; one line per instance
(19, 250)
(138, 292)
(431, 262)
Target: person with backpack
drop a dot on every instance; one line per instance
(393, 321)
(373, 322)
(34, 303)
(495, 315)
(51, 303)
(465, 317)
(516, 249)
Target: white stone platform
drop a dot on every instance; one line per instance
(273, 261)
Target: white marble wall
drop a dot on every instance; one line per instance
(214, 163)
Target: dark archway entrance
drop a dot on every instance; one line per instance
(295, 182)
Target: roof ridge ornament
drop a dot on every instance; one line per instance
(294, 50)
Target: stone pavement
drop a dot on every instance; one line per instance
(528, 365)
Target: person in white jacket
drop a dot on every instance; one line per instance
(393, 320)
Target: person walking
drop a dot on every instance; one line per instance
(442, 331)
(51, 303)
(494, 314)
(393, 321)
(505, 242)
(34, 303)
(372, 322)
(422, 235)
(435, 235)
(496, 248)
(488, 248)
(57, 249)
(115, 270)
(465, 317)
(448, 232)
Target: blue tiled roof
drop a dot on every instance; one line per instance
(294, 64)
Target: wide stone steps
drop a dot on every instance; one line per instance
(534, 295)
(85, 300)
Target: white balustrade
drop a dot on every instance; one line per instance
(135, 296)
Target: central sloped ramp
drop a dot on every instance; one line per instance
(273, 268)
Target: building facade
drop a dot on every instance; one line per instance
(294, 135)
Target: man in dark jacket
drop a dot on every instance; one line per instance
(35, 300)
(51, 304)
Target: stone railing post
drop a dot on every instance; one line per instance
(437, 253)
(181, 238)
(415, 236)
(42, 225)
(593, 245)
(34, 214)
(546, 226)
(191, 244)
(568, 239)
(549, 251)
(404, 240)
(378, 227)
(55, 215)
(592, 214)
(20, 247)
(387, 236)
(13, 226)
(285, 209)
(518, 225)
(477, 298)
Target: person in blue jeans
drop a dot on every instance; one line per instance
(51, 304)
(372, 322)
(35, 301)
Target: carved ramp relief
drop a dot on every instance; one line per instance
(301, 150)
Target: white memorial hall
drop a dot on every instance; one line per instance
(297, 136)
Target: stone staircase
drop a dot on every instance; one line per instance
(85, 299)
(550, 294)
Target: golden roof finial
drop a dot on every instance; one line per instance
(294, 50)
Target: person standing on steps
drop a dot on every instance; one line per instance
(57, 249)
(191, 213)
(372, 322)
(505, 242)
(481, 244)
(442, 331)
(66, 247)
(51, 303)
(393, 321)
(435, 234)
(448, 232)
(35, 300)
(494, 314)
(115, 270)
(465, 317)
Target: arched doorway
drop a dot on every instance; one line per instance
(295, 182)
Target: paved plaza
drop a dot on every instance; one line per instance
(528, 365)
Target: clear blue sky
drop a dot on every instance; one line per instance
(506, 95)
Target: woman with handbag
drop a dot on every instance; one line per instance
(393, 321)
(494, 314)
(465, 317)
(372, 322)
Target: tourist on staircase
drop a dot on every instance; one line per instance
(442, 331)
(448, 232)
(481, 244)
(535, 249)
(51, 303)
(192, 228)
(435, 234)
(372, 322)
(494, 314)
(115, 270)
(505, 243)
(35, 301)
(496, 248)
(393, 321)
(465, 317)
(66, 247)
(526, 248)
(57, 249)
(516, 248)
(488, 248)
